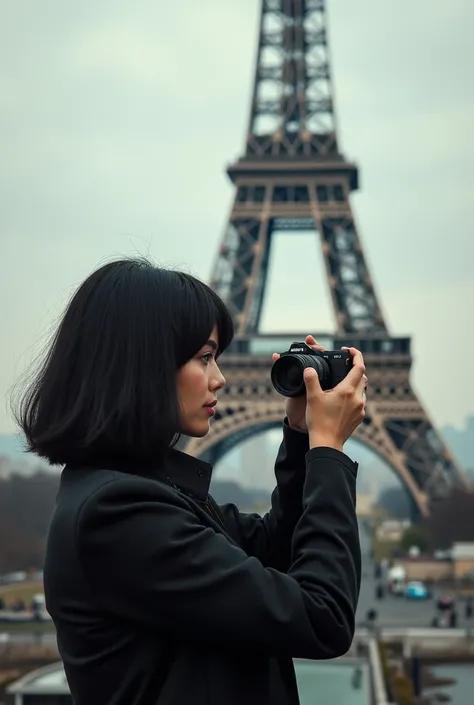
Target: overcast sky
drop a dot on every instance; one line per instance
(117, 120)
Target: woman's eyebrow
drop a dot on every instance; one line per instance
(212, 344)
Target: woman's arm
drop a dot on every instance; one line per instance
(150, 562)
(269, 538)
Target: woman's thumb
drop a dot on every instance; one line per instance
(311, 379)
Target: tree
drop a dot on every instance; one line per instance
(26, 506)
(396, 501)
(18, 550)
(415, 536)
(451, 520)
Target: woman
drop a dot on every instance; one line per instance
(158, 595)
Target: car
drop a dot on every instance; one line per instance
(416, 590)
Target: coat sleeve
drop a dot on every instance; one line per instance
(269, 538)
(149, 561)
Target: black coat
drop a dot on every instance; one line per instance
(160, 597)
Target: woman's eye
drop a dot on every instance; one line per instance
(207, 358)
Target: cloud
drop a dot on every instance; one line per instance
(123, 53)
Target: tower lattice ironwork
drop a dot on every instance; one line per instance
(294, 177)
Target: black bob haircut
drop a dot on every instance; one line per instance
(106, 390)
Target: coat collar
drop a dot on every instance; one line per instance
(188, 473)
(185, 472)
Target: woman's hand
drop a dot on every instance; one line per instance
(333, 416)
(296, 406)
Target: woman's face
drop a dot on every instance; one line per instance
(198, 382)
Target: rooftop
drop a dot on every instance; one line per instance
(463, 550)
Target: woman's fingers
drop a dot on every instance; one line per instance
(313, 343)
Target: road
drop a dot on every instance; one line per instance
(394, 611)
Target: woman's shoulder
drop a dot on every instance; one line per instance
(181, 480)
(86, 489)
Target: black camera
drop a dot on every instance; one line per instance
(287, 372)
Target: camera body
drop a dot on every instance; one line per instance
(332, 367)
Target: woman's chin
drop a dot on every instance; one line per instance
(197, 430)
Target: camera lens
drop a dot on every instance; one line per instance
(293, 375)
(287, 373)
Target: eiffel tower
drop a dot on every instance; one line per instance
(294, 177)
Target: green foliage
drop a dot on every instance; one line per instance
(415, 536)
(383, 549)
(451, 519)
(399, 687)
(402, 690)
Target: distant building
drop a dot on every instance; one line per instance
(392, 529)
(426, 568)
(454, 565)
(365, 504)
(462, 556)
(257, 464)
